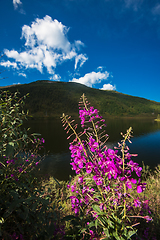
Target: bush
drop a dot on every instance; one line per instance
(25, 211)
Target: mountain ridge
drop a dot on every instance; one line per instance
(52, 98)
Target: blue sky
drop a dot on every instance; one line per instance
(104, 44)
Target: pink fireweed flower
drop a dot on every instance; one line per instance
(80, 179)
(93, 144)
(77, 156)
(89, 167)
(99, 153)
(73, 188)
(129, 182)
(138, 171)
(148, 218)
(75, 168)
(85, 190)
(86, 200)
(75, 204)
(112, 171)
(140, 186)
(135, 167)
(137, 203)
(98, 180)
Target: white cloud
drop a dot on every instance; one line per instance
(78, 44)
(47, 32)
(55, 77)
(16, 83)
(46, 46)
(16, 3)
(22, 74)
(80, 58)
(108, 86)
(92, 78)
(9, 64)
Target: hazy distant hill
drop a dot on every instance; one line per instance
(48, 98)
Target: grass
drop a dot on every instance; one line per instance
(151, 230)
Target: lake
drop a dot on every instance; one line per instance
(145, 142)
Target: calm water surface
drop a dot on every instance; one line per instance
(145, 142)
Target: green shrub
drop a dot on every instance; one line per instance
(26, 212)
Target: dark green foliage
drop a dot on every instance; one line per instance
(25, 208)
(48, 98)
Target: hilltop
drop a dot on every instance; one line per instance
(51, 98)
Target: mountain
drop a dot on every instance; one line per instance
(50, 99)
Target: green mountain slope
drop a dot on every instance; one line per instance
(47, 98)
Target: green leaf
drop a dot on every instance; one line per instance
(96, 208)
(106, 221)
(36, 134)
(117, 237)
(131, 233)
(96, 223)
(106, 231)
(91, 224)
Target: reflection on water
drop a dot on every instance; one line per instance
(57, 165)
(146, 143)
(148, 148)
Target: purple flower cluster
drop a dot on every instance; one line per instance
(104, 166)
(104, 177)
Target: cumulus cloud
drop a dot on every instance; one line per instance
(46, 46)
(9, 64)
(48, 33)
(108, 86)
(16, 3)
(90, 79)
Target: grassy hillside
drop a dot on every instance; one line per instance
(48, 98)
